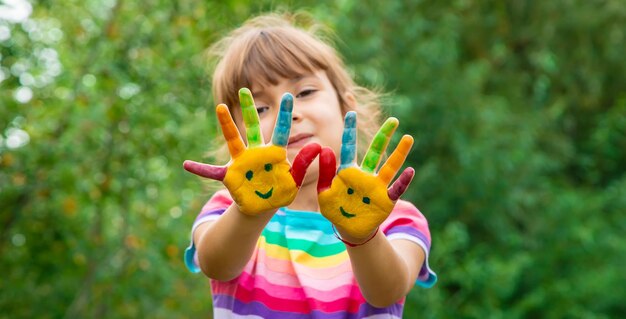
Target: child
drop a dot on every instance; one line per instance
(267, 241)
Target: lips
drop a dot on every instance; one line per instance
(299, 139)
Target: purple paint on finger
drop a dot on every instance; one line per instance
(205, 170)
(401, 184)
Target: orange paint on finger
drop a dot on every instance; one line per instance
(395, 160)
(230, 131)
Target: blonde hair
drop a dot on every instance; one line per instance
(272, 46)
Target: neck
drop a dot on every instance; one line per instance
(307, 197)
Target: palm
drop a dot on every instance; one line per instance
(358, 200)
(259, 176)
(260, 179)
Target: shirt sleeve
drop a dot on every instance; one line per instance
(212, 210)
(407, 222)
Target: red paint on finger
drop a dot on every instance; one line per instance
(302, 161)
(328, 165)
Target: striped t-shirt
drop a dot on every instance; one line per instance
(299, 269)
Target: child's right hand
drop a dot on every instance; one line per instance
(259, 177)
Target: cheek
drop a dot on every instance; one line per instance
(267, 129)
(332, 136)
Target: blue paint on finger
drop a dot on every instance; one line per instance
(283, 123)
(348, 141)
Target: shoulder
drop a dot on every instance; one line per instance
(214, 207)
(408, 223)
(406, 218)
(220, 200)
(406, 209)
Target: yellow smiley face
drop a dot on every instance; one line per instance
(260, 178)
(356, 201)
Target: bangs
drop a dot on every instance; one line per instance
(263, 57)
(271, 58)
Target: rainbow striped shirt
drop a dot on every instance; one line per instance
(299, 269)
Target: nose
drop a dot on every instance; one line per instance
(296, 117)
(296, 114)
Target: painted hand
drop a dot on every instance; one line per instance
(259, 177)
(357, 199)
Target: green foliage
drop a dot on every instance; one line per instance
(518, 109)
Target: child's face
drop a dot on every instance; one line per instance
(317, 115)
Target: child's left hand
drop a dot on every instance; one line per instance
(357, 199)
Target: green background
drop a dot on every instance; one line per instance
(518, 109)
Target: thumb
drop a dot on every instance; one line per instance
(328, 165)
(206, 170)
(302, 161)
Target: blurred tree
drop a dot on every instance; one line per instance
(518, 110)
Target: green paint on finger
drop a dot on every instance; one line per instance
(379, 145)
(250, 118)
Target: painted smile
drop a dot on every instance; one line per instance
(345, 214)
(266, 195)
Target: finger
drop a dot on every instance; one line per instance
(250, 118)
(401, 184)
(302, 161)
(205, 170)
(327, 169)
(379, 145)
(283, 123)
(396, 159)
(229, 129)
(348, 141)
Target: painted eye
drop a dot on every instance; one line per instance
(268, 167)
(366, 200)
(350, 191)
(249, 175)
